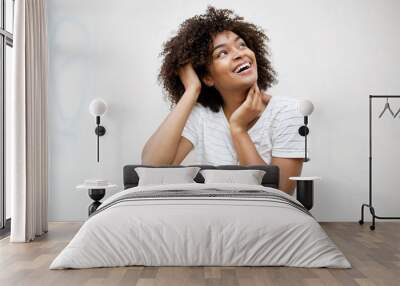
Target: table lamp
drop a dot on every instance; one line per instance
(305, 107)
(97, 108)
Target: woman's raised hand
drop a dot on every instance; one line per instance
(189, 78)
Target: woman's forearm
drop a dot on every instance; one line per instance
(245, 149)
(161, 147)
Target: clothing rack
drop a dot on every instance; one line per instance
(370, 206)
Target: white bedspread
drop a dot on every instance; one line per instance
(200, 231)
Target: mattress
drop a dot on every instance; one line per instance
(201, 225)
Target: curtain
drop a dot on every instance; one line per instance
(27, 118)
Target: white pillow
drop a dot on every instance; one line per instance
(163, 176)
(248, 177)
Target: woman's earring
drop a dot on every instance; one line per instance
(207, 81)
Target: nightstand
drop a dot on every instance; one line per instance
(305, 190)
(96, 193)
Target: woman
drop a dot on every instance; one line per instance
(214, 71)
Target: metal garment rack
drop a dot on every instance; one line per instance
(371, 208)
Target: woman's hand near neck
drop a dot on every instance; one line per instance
(235, 99)
(241, 120)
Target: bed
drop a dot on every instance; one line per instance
(201, 224)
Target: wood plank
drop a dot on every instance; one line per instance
(374, 255)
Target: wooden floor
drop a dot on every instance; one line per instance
(374, 255)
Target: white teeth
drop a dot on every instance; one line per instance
(242, 66)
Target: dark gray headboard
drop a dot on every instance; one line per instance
(270, 179)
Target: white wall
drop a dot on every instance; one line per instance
(335, 53)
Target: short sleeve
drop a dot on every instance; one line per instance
(193, 125)
(286, 140)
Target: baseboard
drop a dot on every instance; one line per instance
(5, 231)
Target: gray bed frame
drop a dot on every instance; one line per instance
(270, 179)
(304, 190)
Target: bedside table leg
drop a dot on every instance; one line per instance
(93, 207)
(305, 193)
(96, 195)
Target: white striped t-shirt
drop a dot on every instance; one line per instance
(275, 133)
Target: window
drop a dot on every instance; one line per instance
(6, 44)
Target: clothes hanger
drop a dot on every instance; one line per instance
(398, 111)
(387, 106)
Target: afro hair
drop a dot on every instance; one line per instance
(193, 43)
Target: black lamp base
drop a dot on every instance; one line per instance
(100, 130)
(96, 195)
(304, 131)
(305, 193)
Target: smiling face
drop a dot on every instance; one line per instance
(233, 65)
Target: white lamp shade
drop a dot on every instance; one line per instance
(305, 107)
(98, 107)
